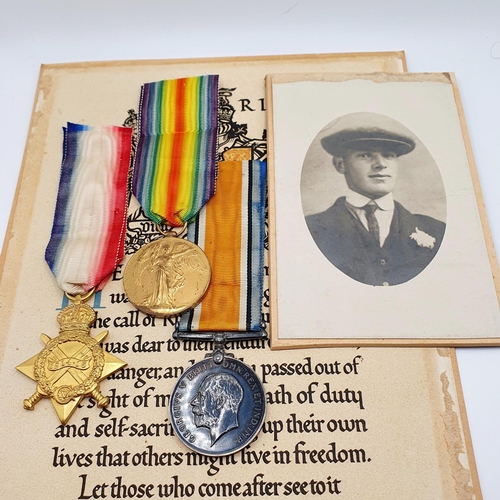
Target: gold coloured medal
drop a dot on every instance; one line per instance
(86, 244)
(167, 276)
(175, 169)
(71, 365)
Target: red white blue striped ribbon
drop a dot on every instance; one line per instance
(88, 232)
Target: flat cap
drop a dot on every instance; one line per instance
(367, 138)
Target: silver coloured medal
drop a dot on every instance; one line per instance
(218, 406)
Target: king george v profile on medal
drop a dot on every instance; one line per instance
(367, 234)
(216, 403)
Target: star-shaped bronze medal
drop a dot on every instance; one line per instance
(71, 365)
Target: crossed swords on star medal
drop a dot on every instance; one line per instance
(71, 365)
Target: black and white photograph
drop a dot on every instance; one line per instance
(374, 210)
(373, 199)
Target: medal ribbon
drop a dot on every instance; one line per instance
(88, 232)
(175, 162)
(230, 230)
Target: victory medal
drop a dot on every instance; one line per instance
(174, 176)
(167, 276)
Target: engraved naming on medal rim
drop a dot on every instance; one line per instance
(218, 409)
(167, 276)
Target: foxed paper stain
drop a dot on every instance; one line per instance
(444, 352)
(454, 443)
(376, 77)
(39, 102)
(45, 87)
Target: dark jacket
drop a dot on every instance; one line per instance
(351, 248)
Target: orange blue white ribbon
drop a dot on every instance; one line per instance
(175, 163)
(88, 232)
(230, 230)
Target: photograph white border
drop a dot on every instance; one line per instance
(454, 301)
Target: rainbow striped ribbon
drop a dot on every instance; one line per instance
(88, 232)
(230, 230)
(175, 162)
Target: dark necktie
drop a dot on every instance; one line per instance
(373, 227)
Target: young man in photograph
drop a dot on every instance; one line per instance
(367, 234)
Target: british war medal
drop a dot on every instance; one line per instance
(218, 405)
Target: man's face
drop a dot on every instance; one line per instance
(372, 173)
(205, 409)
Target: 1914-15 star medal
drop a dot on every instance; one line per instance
(71, 365)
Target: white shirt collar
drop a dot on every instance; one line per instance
(358, 200)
